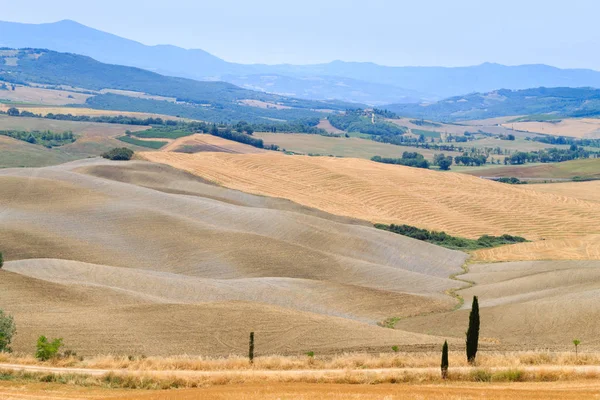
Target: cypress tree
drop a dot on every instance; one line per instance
(473, 332)
(445, 360)
(251, 350)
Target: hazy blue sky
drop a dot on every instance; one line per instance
(419, 32)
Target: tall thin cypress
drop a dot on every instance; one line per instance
(473, 332)
(251, 350)
(445, 360)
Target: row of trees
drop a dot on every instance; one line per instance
(550, 155)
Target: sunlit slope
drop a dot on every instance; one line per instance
(130, 244)
(456, 203)
(540, 304)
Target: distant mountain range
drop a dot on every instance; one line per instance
(209, 101)
(349, 81)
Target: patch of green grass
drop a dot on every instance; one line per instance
(161, 133)
(428, 134)
(390, 322)
(451, 242)
(142, 143)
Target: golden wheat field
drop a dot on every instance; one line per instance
(44, 110)
(455, 203)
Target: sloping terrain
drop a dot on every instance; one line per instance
(587, 168)
(112, 256)
(207, 143)
(458, 204)
(541, 304)
(573, 127)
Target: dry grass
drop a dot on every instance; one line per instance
(588, 168)
(325, 124)
(348, 361)
(578, 128)
(455, 203)
(264, 104)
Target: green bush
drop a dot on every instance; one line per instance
(511, 375)
(119, 154)
(481, 375)
(46, 349)
(7, 331)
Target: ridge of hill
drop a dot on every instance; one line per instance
(547, 103)
(352, 81)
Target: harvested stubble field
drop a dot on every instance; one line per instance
(87, 240)
(578, 128)
(208, 143)
(38, 95)
(341, 146)
(538, 304)
(455, 203)
(80, 111)
(588, 168)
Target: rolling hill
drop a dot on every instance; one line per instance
(556, 102)
(211, 101)
(352, 81)
(458, 204)
(141, 250)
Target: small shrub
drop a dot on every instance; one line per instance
(511, 375)
(481, 375)
(119, 154)
(7, 331)
(311, 354)
(46, 349)
(395, 349)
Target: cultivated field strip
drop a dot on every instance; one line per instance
(111, 248)
(203, 142)
(456, 203)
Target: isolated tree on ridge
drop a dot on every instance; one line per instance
(473, 332)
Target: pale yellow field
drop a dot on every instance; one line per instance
(43, 96)
(458, 204)
(578, 128)
(589, 191)
(325, 124)
(578, 248)
(264, 104)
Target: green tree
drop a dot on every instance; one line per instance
(1, 260)
(576, 342)
(7, 331)
(445, 360)
(13, 112)
(251, 349)
(47, 349)
(473, 331)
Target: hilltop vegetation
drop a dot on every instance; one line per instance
(559, 102)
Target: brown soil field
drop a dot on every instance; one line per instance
(461, 391)
(124, 254)
(578, 128)
(537, 304)
(209, 143)
(342, 146)
(38, 95)
(455, 203)
(325, 124)
(589, 168)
